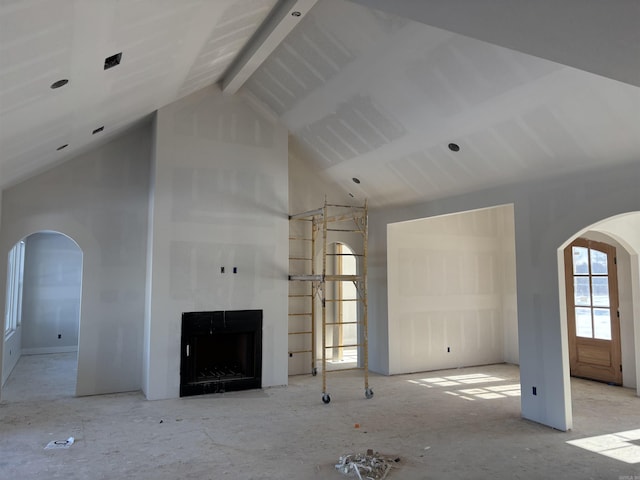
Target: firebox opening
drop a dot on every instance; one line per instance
(221, 351)
(226, 356)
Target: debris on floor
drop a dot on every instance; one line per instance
(366, 466)
(60, 443)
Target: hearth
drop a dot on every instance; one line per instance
(220, 351)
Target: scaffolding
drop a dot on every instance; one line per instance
(315, 289)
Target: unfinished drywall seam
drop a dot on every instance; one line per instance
(220, 199)
(447, 286)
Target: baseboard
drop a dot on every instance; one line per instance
(43, 350)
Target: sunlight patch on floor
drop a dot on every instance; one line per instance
(348, 356)
(614, 445)
(483, 393)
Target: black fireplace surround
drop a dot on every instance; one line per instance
(221, 351)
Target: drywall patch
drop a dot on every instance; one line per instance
(359, 126)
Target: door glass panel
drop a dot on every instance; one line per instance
(598, 262)
(583, 323)
(600, 288)
(581, 291)
(602, 323)
(594, 335)
(580, 260)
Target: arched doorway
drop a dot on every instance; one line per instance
(343, 335)
(593, 316)
(619, 239)
(42, 317)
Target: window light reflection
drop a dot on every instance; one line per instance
(485, 392)
(620, 446)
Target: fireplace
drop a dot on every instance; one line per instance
(220, 351)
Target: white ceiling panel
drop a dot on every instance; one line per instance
(398, 92)
(364, 94)
(236, 25)
(169, 49)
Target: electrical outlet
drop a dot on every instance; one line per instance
(535, 390)
(59, 336)
(448, 349)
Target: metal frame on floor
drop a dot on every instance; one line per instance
(347, 219)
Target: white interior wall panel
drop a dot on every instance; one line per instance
(52, 292)
(220, 199)
(506, 236)
(100, 200)
(446, 289)
(12, 349)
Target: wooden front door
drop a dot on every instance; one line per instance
(592, 311)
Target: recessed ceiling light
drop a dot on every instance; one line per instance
(112, 61)
(355, 180)
(296, 14)
(454, 147)
(98, 130)
(62, 147)
(59, 83)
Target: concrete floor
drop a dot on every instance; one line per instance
(462, 423)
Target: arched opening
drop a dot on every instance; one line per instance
(42, 317)
(622, 234)
(593, 315)
(343, 331)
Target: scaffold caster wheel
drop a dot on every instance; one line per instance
(326, 398)
(314, 371)
(368, 393)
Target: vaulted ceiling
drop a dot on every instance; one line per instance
(374, 95)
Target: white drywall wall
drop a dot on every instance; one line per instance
(219, 198)
(507, 262)
(51, 294)
(11, 352)
(100, 200)
(308, 189)
(9, 347)
(447, 290)
(546, 215)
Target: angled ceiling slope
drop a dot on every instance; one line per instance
(366, 94)
(591, 35)
(379, 97)
(169, 49)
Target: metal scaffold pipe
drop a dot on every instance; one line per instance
(327, 288)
